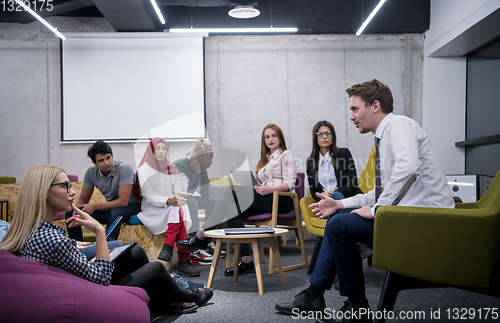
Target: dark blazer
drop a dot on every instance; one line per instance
(347, 178)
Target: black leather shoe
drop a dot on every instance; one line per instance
(166, 253)
(304, 301)
(181, 308)
(202, 295)
(158, 308)
(243, 269)
(193, 243)
(351, 312)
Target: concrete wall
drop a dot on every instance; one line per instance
(293, 81)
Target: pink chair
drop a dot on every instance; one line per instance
(35, 292)
(291, 220)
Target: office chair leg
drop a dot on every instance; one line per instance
(388, 295)
(314, 257)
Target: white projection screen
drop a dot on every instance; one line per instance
(129, 86)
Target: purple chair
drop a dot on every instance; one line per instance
(291, 220)
(35, 292)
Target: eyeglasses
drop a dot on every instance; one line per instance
(321, 134)
(66, 185)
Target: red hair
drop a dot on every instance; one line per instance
(263, 148)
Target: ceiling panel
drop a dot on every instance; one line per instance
(309, 16)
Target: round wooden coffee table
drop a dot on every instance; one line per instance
(255, 240)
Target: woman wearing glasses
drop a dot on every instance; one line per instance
(46, 191)
(330, 169)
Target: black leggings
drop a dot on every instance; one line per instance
(134, 269)
(249, 203)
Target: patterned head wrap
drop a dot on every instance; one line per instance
(200, 147)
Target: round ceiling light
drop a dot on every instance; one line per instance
(244, 12)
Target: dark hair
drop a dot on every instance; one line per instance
(334, 152)
(373, 90)
(99, 147)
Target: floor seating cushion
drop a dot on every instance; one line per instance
(35, 292)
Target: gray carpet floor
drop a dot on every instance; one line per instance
(240, 301)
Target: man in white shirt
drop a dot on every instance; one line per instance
(403, 153)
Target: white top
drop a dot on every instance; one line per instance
(156, 189)
(280, 168)
(405, 150)
(326, 173)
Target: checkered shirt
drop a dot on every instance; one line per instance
(280, 168)
(50, 246)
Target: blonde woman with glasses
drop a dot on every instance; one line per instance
(46, 191)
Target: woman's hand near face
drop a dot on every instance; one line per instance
(81, 218)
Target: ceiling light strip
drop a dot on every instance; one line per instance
(370, 17)
(233, 30)
(158, 11)
(34, 14)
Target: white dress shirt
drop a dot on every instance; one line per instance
(405, 150)
(156, 189)
(326, 173)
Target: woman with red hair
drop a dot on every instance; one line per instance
(275, 171)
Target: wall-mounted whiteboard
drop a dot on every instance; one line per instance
(129, 86)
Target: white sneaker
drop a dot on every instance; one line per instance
(211, 248)
(201, 257)
(204, 254)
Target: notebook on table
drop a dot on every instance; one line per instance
(234, 231)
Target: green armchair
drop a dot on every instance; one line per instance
(435, 247)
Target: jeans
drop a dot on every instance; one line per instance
(89, 251)
(106, 217)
